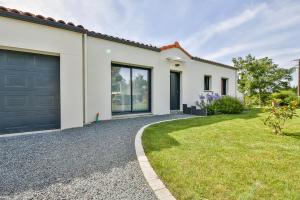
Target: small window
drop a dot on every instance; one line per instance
(224, 86)
(207, 83)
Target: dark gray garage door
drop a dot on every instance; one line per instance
(29, 92)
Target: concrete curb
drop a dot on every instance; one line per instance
(159, 188)
(7, 135)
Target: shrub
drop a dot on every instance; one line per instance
(278, 115)
(207, 102)
(285, 97)
(228, 105)
(214, 104)
(211, 109)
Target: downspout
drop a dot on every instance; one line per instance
(84, 72)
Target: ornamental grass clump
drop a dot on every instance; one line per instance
(278, 114)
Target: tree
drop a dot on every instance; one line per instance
(261, 77)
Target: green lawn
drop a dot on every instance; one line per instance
(226, 157)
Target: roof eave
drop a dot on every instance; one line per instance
(213, 62)
(42, 22)
(122, 41)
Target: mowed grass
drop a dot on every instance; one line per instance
(226, 157)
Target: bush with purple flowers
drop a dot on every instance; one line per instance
(207, 102)
(214, 104)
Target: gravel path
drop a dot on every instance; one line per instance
(94, 162)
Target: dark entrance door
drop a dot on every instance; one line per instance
(174, 91)
(29, 92)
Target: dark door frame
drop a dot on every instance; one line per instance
(179, 89)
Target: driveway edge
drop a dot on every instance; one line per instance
(159, 188)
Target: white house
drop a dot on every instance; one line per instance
(55, 75)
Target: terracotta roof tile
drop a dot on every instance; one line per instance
(3, 8)
(178, 46)
(15, 11)
(70, 23)
(27, 16)
(49, 21)
(40, 16)
(175, 45)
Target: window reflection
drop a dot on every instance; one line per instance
(120, 89)
(130, 89)
(140, 93)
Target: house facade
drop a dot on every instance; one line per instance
(55, 75)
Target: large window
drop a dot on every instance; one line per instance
(130, 89)
(224, 86)
(207, 83)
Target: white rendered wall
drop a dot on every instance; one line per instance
(100, 55)
(25, 36)
(192, 76)
(30, 37)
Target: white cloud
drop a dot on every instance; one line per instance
(272, 33)
(277, 53)
(248, 46)
(204, 34)
(116, 18)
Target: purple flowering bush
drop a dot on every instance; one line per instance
(207, 102)
(214, 103)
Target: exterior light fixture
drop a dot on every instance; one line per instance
(176, 59)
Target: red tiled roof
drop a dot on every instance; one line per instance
(178, 46)
(175, 45)
(27, 16)
(49, 21)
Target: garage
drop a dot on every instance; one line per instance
(29, 92)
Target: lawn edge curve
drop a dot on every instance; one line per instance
(153, 180)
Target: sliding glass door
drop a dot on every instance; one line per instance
(130, 89)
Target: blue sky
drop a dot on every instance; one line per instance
(211, 29)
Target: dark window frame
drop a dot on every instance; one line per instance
(209, 82)
(131, 90)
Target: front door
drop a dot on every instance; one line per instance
(175, 91)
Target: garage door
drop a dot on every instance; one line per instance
(29, 92)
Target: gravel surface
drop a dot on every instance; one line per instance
(97, 161)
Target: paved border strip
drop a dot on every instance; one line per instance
(159, 188)
(26, 133)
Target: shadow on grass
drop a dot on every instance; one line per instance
(295, 135)
(157, 137)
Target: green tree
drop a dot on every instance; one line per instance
(261, 77)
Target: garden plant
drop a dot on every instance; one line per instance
(278, 114)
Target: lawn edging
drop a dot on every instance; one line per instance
(159, 188)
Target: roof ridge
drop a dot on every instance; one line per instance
(178, 46)
(49, 21)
